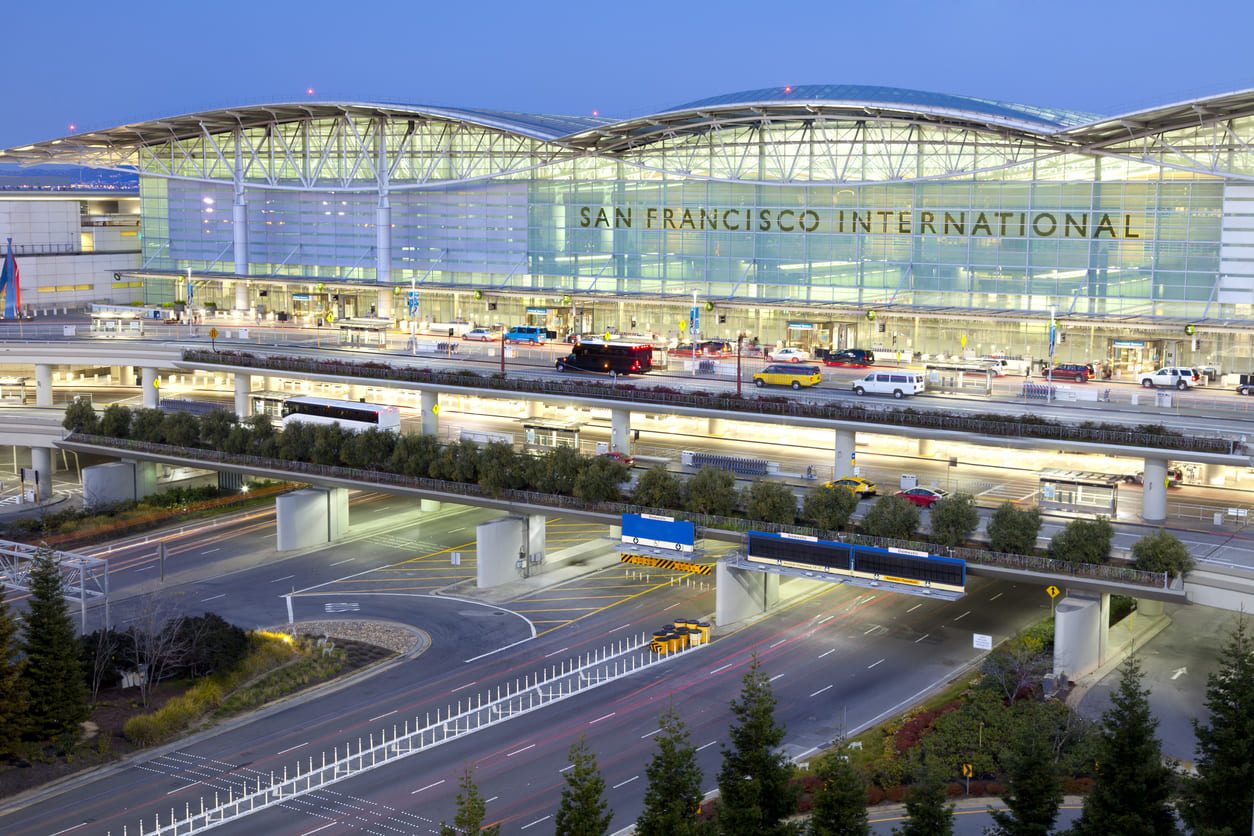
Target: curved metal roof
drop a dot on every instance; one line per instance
(899, 99)
(1188, 113)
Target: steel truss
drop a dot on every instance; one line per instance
(84, 579)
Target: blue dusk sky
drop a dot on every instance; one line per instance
(97, 65)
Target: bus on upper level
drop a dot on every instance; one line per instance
(606, 357)
(351, 415)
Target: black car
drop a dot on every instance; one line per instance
(851, 357)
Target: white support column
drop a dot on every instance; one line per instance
(620, 430)
(43, 384)
(1078, 635)
(927, 447)
(533, 408)
(239, 221)
(846, 449)
(536, 528)
(41, 462)
(242, 302)
(1154, 491)
(356, 392)
(740, 594)
(243, 388)
(149, 386)
(383, 212)
(717, 427)
(383, 307)
(429, 403)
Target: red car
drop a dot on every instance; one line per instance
(923, 497)
(622, 458)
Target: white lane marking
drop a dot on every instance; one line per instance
(777, 644)
(68, 829)
(719, 670)
(707, 746)
(821, 690)
(775, 677)
(625, 783)
(520, 751)
(276, 534)
(427, 787)
(650, 734)
(455, 530)
(873, 664)
(870, 629)
(490, 800)
(555, 652)
(964, 615)
(567, 768)
(616, 629)
(211, 551)
(912, 609)
(603, 717)
(826, 619)
(922, 637)
(180, 789)
(995, 597)
(537, 821)
(673, 606)
(455, 690)
(284, 578)
(338, 562)
(381, 716)
(316, 829)
(298, 745)
(827, 653)
(213, 598)
(145, 568)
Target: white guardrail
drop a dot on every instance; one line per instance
(551, 685)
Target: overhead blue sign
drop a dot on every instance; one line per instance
(658, 532)
(1129, 343)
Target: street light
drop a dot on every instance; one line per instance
(694, 321)
(1053, 335)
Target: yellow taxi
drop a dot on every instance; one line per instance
(856, 485)
(795, 375)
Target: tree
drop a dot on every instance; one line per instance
(673, 796)
(157, 644)
(1133, 784)
(116, 421)
(81, 417)
(1014, 530)
(1220, 796)
(658, 488)
(928, 813)
(53, 672)
(711, 491)
(471, 809)
(954, 518)
(101, 655)
(557, 471)
(1016, 665)
(182, 429)
(770, 502)
(13, 693)
(830, 507)
(583, 810)
(1162, 551)
(892, 517)
(1083, 541)
(600, 480)
(499, 468)
(753, 782)
(840, 802)
(1034, 793)
(216, 426)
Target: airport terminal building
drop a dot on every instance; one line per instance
(825, 215)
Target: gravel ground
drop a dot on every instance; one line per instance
(395, 637)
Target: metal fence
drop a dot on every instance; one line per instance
(489, 708)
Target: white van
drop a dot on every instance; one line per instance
(897, 384)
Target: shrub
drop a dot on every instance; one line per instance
(976, 788)
(994, 788)
(874, 795)
(830, 507)
(954, 518)
(1162, 551)
(895, 794)
(892, 517)
(1083, 541)
(955, 789)
(1014, 530)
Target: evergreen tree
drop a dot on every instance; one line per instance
(1133, 785)
(13, 694)
(673, 797)
(1220, 796)
(52, 671)
(928, 814)
(830, 506)
(471, 809)
(893, 517)
(583, 810)
(840, 802)
(753, 781)
(1014, 530)
(1035, 793)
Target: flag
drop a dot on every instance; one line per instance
(9, 285)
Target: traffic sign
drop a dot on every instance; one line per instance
(967, 770)
(1053, 591)
(213, 333)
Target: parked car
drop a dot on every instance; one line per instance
(1172, 376)
(1245, 389)
(622, 458)
(898, 384)
(788, 374)
(791, 355)
(857, 357)
(923, 497)
(482, 335)
(1006, 365)
(1079, 372)
(856, 485)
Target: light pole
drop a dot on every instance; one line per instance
(695, 326)
(1053, 335)
(740, 339)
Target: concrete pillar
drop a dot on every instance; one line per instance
(239, 218)
(846, 450)
(356, 392)
(499, 545)
(740, 594)
(383, 304)
(533, 408)
(1154, 491)
(150, 388)
(242, 301)
(535, 538)
(1077, 644)
(302, 519)
(717, 427)
(41, 462)
(428, 506)
(616, 533)
(267, 383)
(927, 447)
(43, 384)
(429, 403)
(243, 388)
(620, 430)
(383, 241)
(1212, 474)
